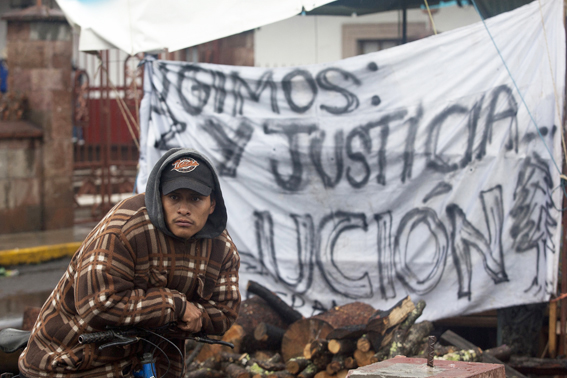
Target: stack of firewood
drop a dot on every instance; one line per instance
(273, 340)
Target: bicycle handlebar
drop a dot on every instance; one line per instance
(91, 338)
(131, 335)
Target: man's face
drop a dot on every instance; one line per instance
(186, 212)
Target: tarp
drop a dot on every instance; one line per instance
(415, 170)
(151, 25)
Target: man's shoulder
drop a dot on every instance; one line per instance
(126, 214)
(133, 204)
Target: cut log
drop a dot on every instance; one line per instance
(414, 336)
(270, 335)
(276, 358)
(386, 340)
(377, 340)
(347, 315)
(348, 332)
(317, 348)
(336, 364)
(253, 311)
(502, 352)
(469, 355)
(263, 354)
(300, 334)
(205, 373)
(286, 312)
(398, 346)
(363, 358)
(345, 346)
(309, 371)
(539, 366)
(296, 364)
(342, 374)
(235, 371)
(379, 356)
(307, 351)
(452, 338)
(240, 358)
(235, 335)
(270, 365)
(322, 360)
(280, 374)
(319, 326)
(350, 363)
(255, 369)
(211, 363)
(363, 343)
(194, 353)
(323, 374)
(381, 321)
(413, 316)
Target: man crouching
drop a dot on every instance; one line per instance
(158, 257)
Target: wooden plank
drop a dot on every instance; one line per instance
(452, 338)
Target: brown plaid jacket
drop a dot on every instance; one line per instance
(127, 272)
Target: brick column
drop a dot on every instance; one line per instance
(39, 50)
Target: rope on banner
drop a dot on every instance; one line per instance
(561, 175)
(430, 17)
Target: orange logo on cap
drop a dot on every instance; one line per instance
(185, 165)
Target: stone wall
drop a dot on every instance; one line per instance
(39, 51)
(21, 186)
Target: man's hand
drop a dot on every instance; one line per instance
(192, 319)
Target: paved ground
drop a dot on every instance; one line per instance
(43, 238)
(29, 284)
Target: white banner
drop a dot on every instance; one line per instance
(416, 170)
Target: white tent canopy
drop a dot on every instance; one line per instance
(150, 25)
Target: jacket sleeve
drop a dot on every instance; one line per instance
(105, 293)
(220, 310)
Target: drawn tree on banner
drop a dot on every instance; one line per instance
(533, 221)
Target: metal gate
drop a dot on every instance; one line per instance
(107, 93)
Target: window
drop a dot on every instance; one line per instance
(365, 38)
(366, 46)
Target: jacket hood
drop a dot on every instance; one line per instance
(216, 223)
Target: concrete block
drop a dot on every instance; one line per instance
(61, 61)
(25, 192)
(46, 80)
(23, 219)
(3, 163)
(56, 218)
(18, 31)
(4, 195)
(19, 80)
(58, 192)
(58, 158)
(23, 163)
(32, 55)
(403, 367)
(61, 114)
(39, 117)
(50, 31)
(63, 49)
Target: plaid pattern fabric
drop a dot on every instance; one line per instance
(127, 272)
